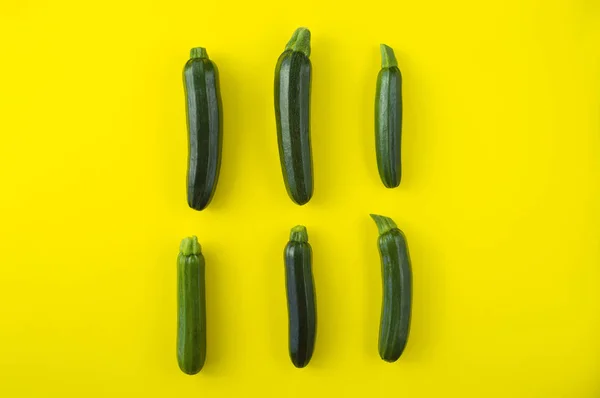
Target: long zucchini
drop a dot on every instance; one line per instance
(191, 307)
(292, 115)
(397, 289)
(205, 125)
(300, 290)
(388, 119)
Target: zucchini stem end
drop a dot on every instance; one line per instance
(299, 234)
(384, 224)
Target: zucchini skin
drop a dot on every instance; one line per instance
(204, 124)
(397, 289)
(292, 114)
(191, 307)
(388, 120)
(301, 303)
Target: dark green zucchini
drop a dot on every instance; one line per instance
(300, 290)
(397, 289)
(191, 307)
(388, 119)
(205, 125)
(292, 115)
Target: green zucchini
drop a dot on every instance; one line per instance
(300, 290)
(397, 289)
(191, 307)
(204, 125)
(388, 119)
(292, 115)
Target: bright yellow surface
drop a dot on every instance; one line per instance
(499, 199)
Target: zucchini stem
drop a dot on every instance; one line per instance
(300, 41)
(384, 224)
(388, 58)
(299, 234)
(198, 52)
(190, 246)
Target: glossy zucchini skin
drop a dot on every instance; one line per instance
(191, 307)
(204, 124)
(292, 115)
(388, 119)
(397, 289)
(301, 303)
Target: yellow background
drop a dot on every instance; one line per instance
(499, 198)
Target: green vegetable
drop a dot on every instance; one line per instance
(292, 114)
(191, 307)
(204, 125)
(300, 290)
(388, 119)
(397, 289)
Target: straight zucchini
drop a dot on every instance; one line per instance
(204, 125)
(397, 289)
(191, 307)
(300, 290)
(292, 115)
(388, 119)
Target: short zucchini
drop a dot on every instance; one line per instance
(397, 289)
(292, 115)
(191, 307)
(388, 119)
(300, 290)
(204, 125)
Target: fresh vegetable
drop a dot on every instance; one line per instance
(292, 115)
(205, 125)
(388, 119)
(300, 289)
(397, 289)
(191, 307)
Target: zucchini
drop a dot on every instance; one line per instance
(300, 290)
(292, 115)
(204, 125)
(388, 119)
(397, 289)
(191, 307)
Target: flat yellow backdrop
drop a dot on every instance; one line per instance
(499, 198)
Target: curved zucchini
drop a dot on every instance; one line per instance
(292, 114)
(204, 125)
(300, 290)
(388, 119)
(397, 289)
(191, 307)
